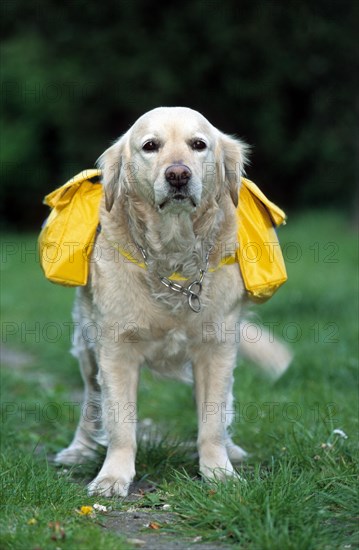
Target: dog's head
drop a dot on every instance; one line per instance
(174, 159)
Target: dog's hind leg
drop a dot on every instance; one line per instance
(231, 414)
(83, 446)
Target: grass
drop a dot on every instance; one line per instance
(299, 488)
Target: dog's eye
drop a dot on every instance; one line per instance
(198, 145)
(150, 146)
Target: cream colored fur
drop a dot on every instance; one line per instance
(138, 321)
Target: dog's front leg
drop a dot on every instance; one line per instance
(118, 378)
(212, 368)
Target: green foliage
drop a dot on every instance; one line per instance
(43, 512)
(280, 75)
(282, 506)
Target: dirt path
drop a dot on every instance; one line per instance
(136, 527)
(149, 529)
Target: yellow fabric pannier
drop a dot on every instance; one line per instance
(67, 238)
(259, 254)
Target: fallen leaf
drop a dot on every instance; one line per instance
(154, 525)
(58, 531)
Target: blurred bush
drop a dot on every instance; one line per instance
(281, 75)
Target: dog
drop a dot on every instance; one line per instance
(162, 292)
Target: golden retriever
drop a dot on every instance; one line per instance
(171, 186)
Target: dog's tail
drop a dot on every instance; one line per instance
(259, 345)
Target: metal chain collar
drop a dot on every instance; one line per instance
(193, 290)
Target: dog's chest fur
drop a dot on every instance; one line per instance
(170, 355)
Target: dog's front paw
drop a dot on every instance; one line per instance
(109, 486)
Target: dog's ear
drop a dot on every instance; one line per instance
(110, 163)
(234, 157)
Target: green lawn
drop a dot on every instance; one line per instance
(300, 482)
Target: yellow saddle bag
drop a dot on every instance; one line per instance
(259, 254)
(67, 238)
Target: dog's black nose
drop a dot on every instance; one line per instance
(178, 175)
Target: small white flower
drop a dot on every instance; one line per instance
(341, 433)
(100, 507)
